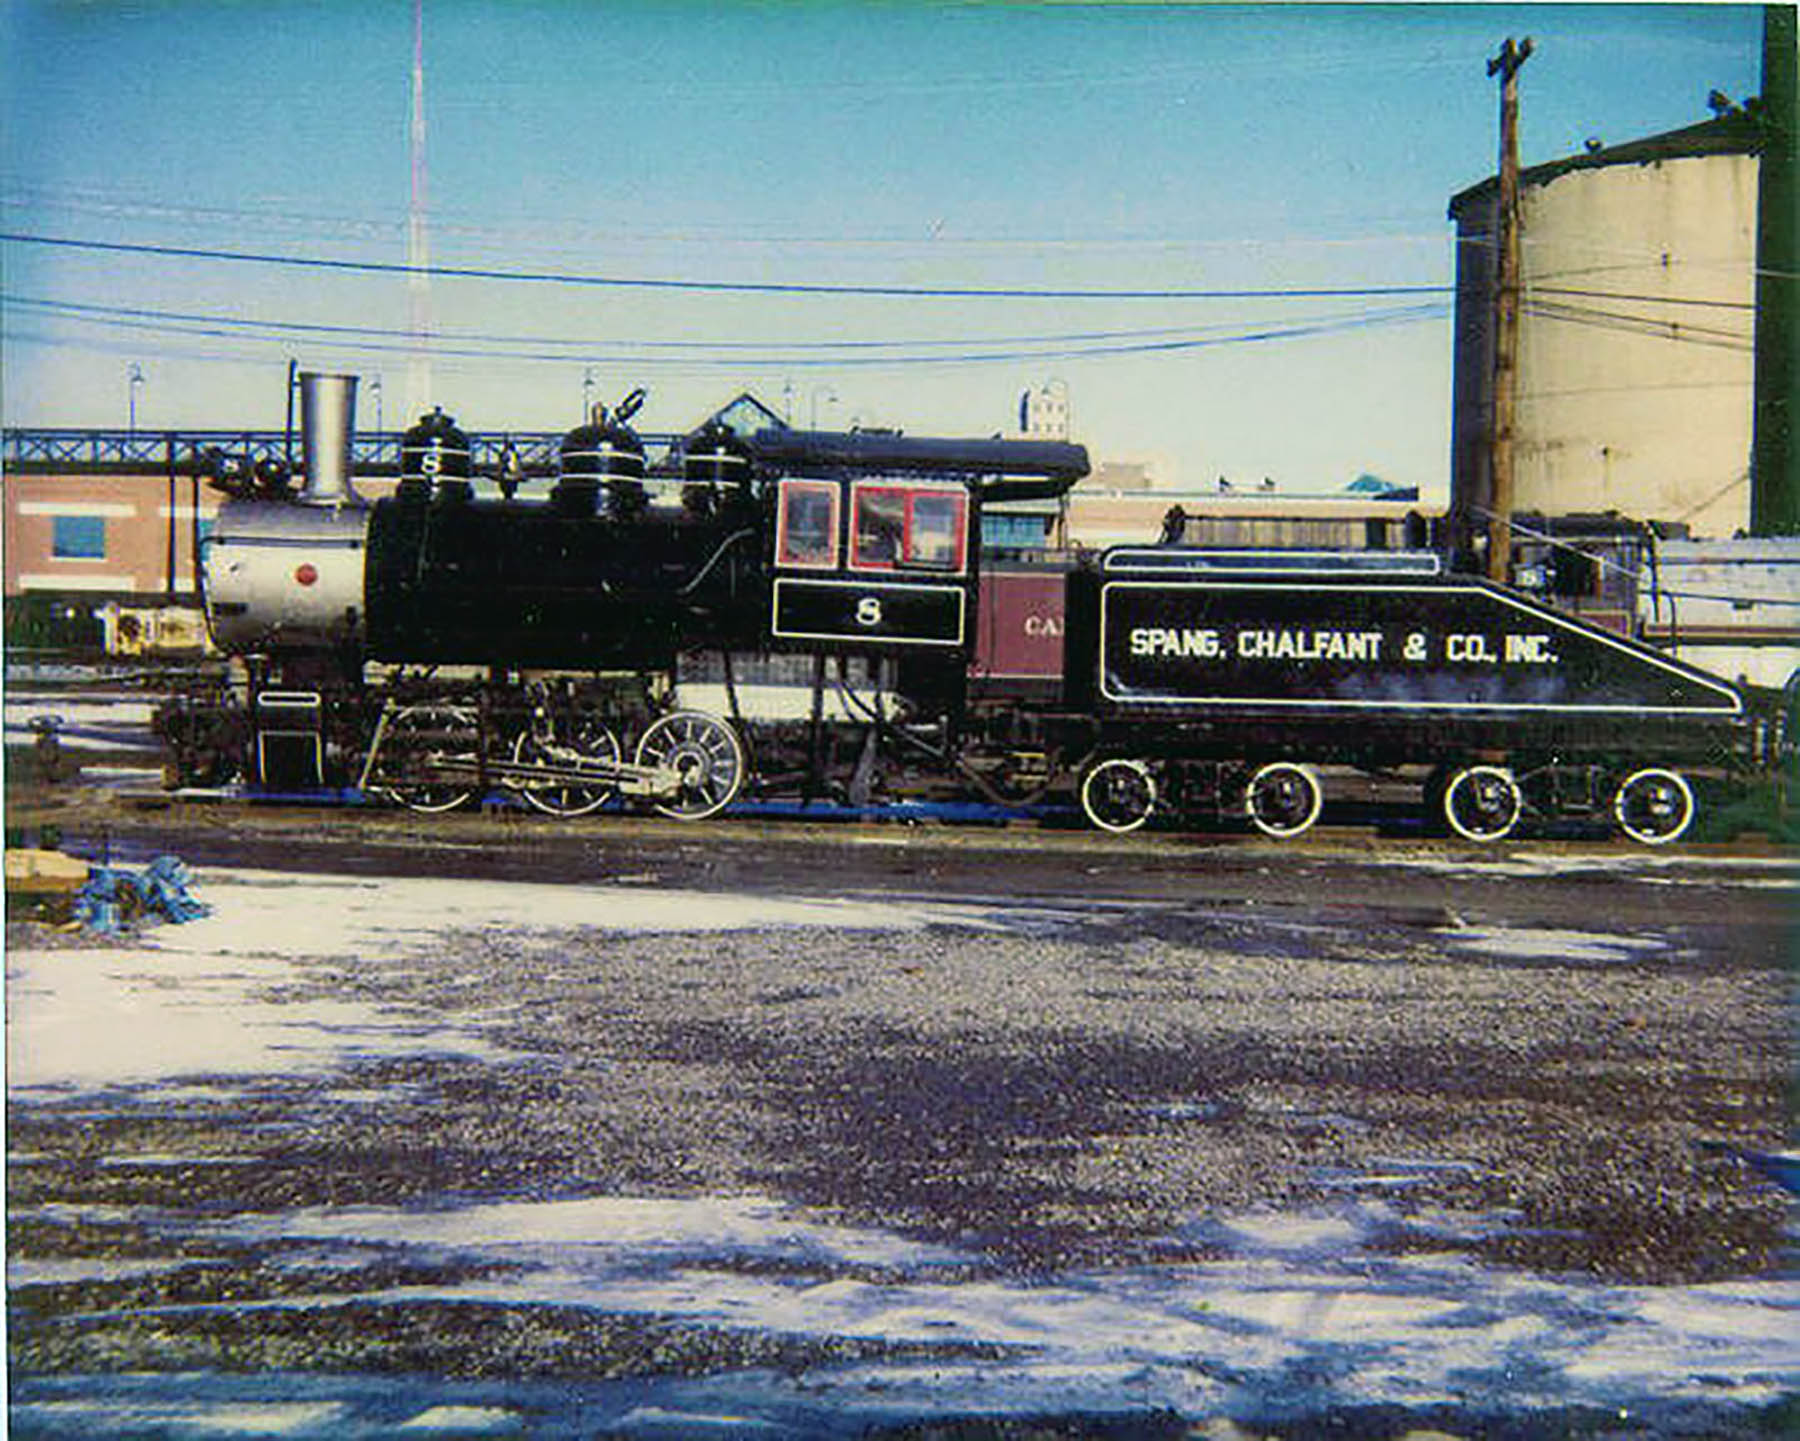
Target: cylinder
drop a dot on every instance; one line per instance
(327, 428)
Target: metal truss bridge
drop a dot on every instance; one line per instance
(188, 452)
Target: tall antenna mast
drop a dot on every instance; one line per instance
(418, 250)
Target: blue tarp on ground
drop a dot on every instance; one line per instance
(112, 897)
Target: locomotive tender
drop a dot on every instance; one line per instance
(806, 613)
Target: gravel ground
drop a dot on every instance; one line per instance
(1050, 1100)
(1056, 1092)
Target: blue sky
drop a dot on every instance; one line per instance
(914, 147)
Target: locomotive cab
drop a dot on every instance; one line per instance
(875, 547)
(873, 564)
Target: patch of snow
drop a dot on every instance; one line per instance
(1526, 943)
(88, 722)
(1662, 867)
(152, 1160)
(189, 1000)
(90, 1019)
(69, 1270)
(272, 913)
(686, 1423)
(138, 1417)
(630, 1228)
(1295, 1292)
(1285, 1232)
(465, 1420)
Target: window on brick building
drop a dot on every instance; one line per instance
(79, 537)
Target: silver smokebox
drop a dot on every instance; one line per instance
(327, 427)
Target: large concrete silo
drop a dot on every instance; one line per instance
(1636, 333)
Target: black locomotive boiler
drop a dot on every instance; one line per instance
(809, 614)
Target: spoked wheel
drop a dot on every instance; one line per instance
(1654, 806)
(419, 737)
(1118, 795)
(592, 742)
(705, 752)
(1483, 803)
(1284, 798)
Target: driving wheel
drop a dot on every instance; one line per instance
(707, 756)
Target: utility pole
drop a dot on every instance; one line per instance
(1775, 456)
(1506, 310)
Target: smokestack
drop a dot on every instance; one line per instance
(327, 426)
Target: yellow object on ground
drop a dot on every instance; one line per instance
(36, 872)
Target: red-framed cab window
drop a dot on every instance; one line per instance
(806, 527)
(909, 527)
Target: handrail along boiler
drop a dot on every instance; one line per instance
(801, 612)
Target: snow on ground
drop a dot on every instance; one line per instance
(1536, 943)
(93, 1019)
(1302, 1308)
(376, 918)
(193, 999)
(1679, 867)
(83, 722)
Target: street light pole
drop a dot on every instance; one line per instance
(133, 381)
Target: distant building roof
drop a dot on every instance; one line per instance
(1737, 133)
(746, 415)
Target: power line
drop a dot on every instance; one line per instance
(800, 288)
(79, 310)
(907, 292)
(1640, 325)
(560, 232)
(1641, 260)
(1648, 299)
(1264, 335)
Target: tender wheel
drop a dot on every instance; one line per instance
(1654, 806)
(1284, 798)
(591, 742)
(707, 755)
(1118, 795)
(416, 738)
(1482, 803)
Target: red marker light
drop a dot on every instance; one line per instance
(306, 573)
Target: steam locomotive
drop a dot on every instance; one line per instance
(800, 613)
